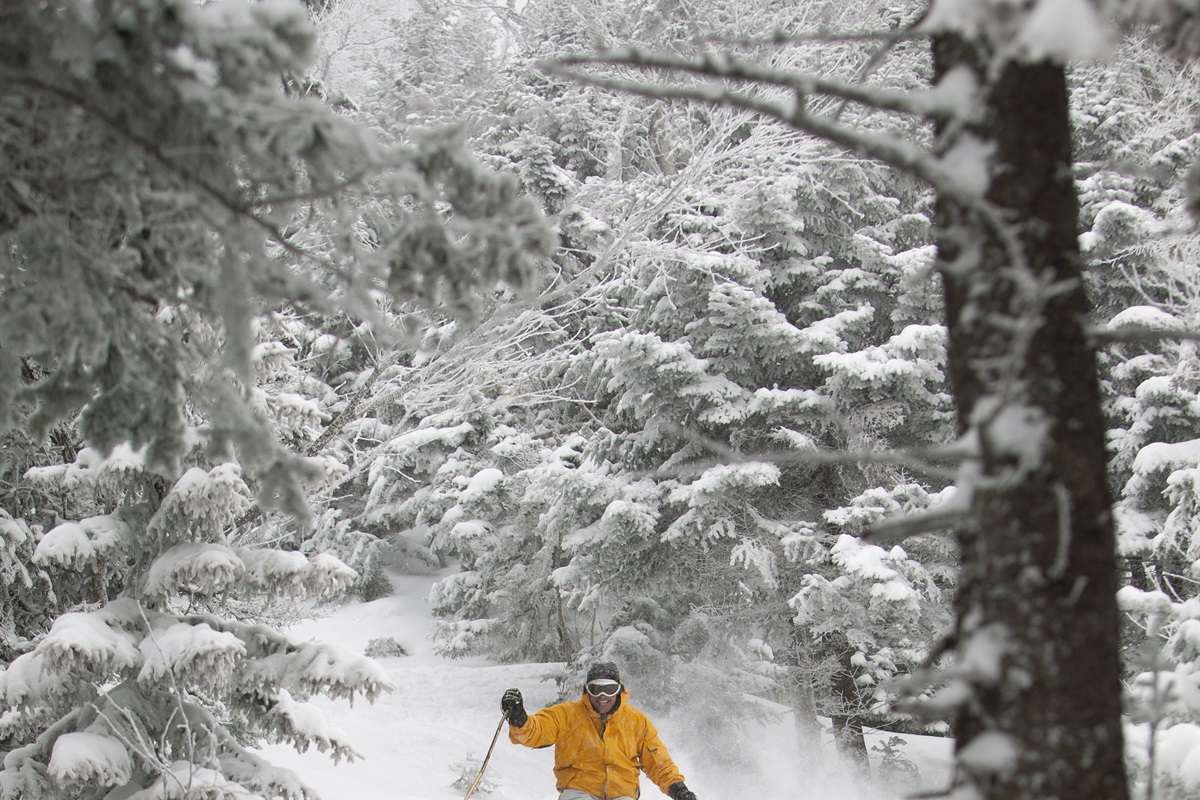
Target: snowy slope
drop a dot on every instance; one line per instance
(443, 712)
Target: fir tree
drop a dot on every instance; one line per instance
(167, 192)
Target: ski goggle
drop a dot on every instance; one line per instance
(603, 688)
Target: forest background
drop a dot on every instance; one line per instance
(657, 378)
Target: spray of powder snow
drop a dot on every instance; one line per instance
(765, 759)
(418, 741)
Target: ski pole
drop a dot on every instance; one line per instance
(486, 758)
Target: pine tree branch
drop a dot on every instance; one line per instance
(239, 210)
(890, 150)
(339, 422)
(1140, 333)
(781, 38)
(897, 529)
(926, 460)
(727, 67)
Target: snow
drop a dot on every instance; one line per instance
(990, 752)
(11, 529)
(982, 656)
(90, 757)
(1167, 455)
(1065, 31)
(859, 558)
(192, 481)
(1176, 751)
(1179, 751)
(967, 16)
(481, 484)
(436, 726)
(92, 637)
(1133, 599)
(194, 649)
(1014, 429)
(952, 94)
(74, 544)
(185, 781)
(428, 736)
(311, 725)
(1145, 317)
(320, 575)
(967, 165)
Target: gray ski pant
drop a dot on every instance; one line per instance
(575, 794)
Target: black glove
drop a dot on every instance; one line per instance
(679, 791)
(512, 703)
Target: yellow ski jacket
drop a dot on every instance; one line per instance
(599, 756)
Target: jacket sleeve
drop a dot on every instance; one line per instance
(656, 761)
(540, 730)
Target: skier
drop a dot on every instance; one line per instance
(600, 741)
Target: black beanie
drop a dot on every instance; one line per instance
(603, 669)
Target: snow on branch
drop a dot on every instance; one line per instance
(930, 105)
(201, 502)
(28, 686)
(184, 780)
(888, 149)
(193, 568)
(89, 758)
(256, 772)
(1059, 30)
(960, 174)
(75, 545)
(291, 572)
(305, 725)
(311, 668)
(273, 662)
(93, 643)
(706, 498)
(896, 529)
(92, 468)
(1142, 324)
(781, 38)
(177, 649)
(928, 460)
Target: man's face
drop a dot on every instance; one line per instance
(603, 694)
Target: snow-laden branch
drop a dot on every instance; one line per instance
(1139, 333)
(888, 149)
(959, 174)
(929, 460)
(252, 211)
(929, 105)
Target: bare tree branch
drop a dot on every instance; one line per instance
(1140, 333)
(896, 529)
(728, 67)
(889, 150)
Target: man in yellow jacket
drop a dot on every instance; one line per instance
(600, 741)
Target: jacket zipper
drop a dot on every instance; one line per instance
(603, 727)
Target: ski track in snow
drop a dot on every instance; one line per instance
(443, 713)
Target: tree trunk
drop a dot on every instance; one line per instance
(1036, 609)
(802, 699)
(847, 720)
(811, 757)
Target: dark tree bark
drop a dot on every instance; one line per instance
(802, 699)
(1036, 609)
(847, 719)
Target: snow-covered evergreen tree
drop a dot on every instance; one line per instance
(734, 287)
(157, 683)
(1022, 369)
(196, 261)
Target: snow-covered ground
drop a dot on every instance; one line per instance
(443, 714)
